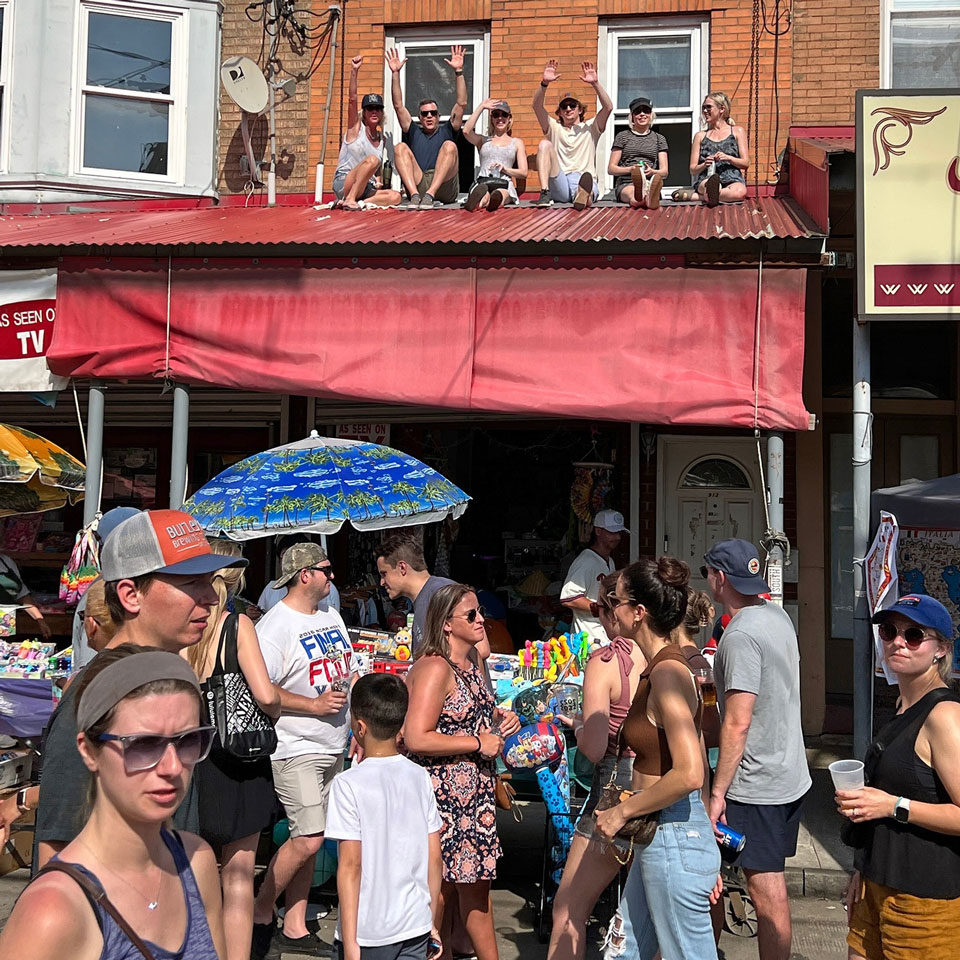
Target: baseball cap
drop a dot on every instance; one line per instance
(637, 102)
(610, 520)
(112, 519)
(923, 610)
(297, 558)
(160, 541)
(371, 100)
(569, 97)
(502, 105)
(739, 562)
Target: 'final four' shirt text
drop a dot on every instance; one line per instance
(303, 654)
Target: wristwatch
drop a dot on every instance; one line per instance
(22, 800)
(901, 810)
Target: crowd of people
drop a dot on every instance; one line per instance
(149, 816)
(427, 160)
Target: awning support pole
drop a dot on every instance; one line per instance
(774, 495)
(862, 457)
(634, 553)
(92, 485)
(178, 450)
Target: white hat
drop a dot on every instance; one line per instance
(611, 521)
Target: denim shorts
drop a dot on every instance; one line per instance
(601, 775)
(369, 189)
(666, 900)
(563, 188)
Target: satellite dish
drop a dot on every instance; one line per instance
(245, 84)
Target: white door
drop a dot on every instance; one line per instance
(708, 489)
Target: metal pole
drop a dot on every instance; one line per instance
(862, 456)
(774, 494)
(91, 486)
(178, 449)
(336, 13)
(271, 70)
(634, 553)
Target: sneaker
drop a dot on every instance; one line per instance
(636, 176)
(496, 199)
(474, 197)
(584, 192)
(427, 201)
(262, 946)
(308, 946)
(712, 187)
(653, 193)
(544, 200)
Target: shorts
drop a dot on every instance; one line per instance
(771, 831)
(368, 191)
(601, 776)
(413, 949)
(447, 191)
(303, 787)
(888, 925)
(563, 188)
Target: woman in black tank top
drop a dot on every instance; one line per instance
(904, 896)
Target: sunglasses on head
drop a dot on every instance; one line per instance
(143, 751)
(471, 615)
(912, 636)
(429, 113)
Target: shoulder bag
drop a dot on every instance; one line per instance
(245, 731)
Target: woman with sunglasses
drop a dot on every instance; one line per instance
(138, 713)
(666, 900)
(904, 896)
(610, 681)
(454, 729)
(503, 158)
(719, 156)
(639, 159)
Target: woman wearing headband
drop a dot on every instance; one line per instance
(138, 713)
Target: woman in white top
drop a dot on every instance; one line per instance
(503, 157)
(361, 153)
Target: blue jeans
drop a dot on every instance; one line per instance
(666, 900)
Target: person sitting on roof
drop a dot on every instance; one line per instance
(361, 153)
(567, 158)
(503, 158)
(719, 156)
(427, 160)
(638, 159)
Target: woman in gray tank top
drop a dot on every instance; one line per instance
(719, 156)
(503, 158)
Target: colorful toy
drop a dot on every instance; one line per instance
(401, 651)
(533, 746)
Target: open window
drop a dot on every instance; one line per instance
(920, 43)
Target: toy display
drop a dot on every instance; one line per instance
(33, 659)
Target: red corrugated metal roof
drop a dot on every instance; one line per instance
(765, 217)
(834, 144)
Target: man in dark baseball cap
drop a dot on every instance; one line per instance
(740, 564)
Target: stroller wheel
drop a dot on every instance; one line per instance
(739, 914)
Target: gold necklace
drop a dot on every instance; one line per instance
(151, 904)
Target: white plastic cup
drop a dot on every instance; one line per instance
(847, 774)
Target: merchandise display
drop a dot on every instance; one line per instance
(32, 659)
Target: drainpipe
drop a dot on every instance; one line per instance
(336, 13)
(178, 446)
(774, 494)
(272, 175)
(92, 484)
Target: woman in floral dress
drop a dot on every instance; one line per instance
(448, 730)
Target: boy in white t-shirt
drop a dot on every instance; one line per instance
(384, 814)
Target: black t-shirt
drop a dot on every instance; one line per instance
(427, 149)
(635, 147)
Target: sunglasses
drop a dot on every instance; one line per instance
(429, 113)
(569, 106)
(703, 572)
(326, 570)
(143, 751)
(707, 107)
(912, 636)
(471, 615)
(499, 115)
(642, 110)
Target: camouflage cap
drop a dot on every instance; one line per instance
(297, 558)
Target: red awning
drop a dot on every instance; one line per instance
(670, 345)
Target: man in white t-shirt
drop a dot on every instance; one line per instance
(583, 578)
(309, 659)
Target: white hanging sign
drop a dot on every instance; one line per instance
(28, 314)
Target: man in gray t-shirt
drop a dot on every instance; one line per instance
(762, 774)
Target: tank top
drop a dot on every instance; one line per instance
(351, 154)
(507, 155)
(621, 648)
(727, 172)
(915, 861)
(197, 941)
(648, 741)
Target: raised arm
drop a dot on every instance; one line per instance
(588, 74)
(353, 112)
(550, 74)
(469, 127)
(456, 64)
(395, 63)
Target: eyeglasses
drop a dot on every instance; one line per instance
(143, 751)
(912, 636)
(471, 615)
(499, 115)
(326, 569)
(429, 113)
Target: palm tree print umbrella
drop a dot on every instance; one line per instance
(318, 484)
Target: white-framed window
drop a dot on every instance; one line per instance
(6, 34)
(667, 60)
(920, 43)
(130, 91)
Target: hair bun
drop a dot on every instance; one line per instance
(673, 572)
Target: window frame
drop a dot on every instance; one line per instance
(178, 18)
(886, 32)
(610, 33)
(6, 57)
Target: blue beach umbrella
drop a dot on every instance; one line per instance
(318, 484)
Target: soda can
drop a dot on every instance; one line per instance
(730, 842)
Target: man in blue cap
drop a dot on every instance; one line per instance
(761, 775)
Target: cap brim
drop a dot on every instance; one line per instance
(910, 613)
(751, 586)
(283, 581)
(208, 563)
(614, 529)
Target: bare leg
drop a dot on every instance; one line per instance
(236, 877)
(357, 180)
(733, 191)
(448, 907)
(290, 870)
(716, 918)
(627, 195)
(768, 891)
(408, 168)
(477, 912)
(588, 872)
(385, 198)
(447, 162)
(545, 161)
